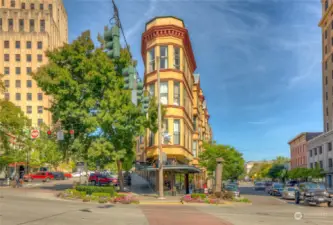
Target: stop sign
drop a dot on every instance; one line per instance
(34, 134)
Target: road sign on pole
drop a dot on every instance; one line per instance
(34, 134)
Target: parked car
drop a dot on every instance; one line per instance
(233, 189)
(288, 193)
(292, 183)
(313, 193)
(259, 186)
(268, 186)
(102, 179)
(40, 176)
(83, 173)
(68, 175)
(58, 175)
(277, 189)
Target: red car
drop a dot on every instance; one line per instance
(68, 175)
(100, 179)
(41, 176)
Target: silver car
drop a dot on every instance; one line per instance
(288, 193)
(233, 189)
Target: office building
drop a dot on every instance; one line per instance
(27, 30)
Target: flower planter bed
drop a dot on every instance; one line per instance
(98, 194)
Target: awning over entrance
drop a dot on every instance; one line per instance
(175, 168)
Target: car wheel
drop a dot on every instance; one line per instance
(29, 180)
(329, 204)
(47, 180)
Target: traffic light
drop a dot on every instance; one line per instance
(72, 133)
(112, 42)
(129, 77)
(139, 91)
(49, 134)
(145, 104)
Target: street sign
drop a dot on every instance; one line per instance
(60, 135)
(34, 134)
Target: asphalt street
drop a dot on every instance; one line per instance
(35, 205)
(266, 209)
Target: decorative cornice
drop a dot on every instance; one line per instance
(169, 31)
(321, 22)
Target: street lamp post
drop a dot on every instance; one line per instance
(160, 164)
(218, 176)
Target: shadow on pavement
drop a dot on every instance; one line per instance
(251, 191)
(56, 187)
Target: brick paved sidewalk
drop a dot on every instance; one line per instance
(179, 215)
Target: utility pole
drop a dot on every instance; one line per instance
(160, 164)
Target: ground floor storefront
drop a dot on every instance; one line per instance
(178, 180)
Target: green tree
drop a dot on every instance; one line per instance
(71, 77)
(281, 160)
(12, 124)
(260, 170)
(2, 85)
(88, 95)
(233, 165)
(276, 171)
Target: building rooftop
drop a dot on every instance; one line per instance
(308, 136)
(165, 17)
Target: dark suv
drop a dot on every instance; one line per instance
(313, 193)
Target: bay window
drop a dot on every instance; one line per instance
(176, 132)
(163, 57)
(151, 58)
(194, 148)
(164, 93)
(176, 93)
(152, 89)
(176, 53)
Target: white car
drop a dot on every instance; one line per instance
(83, 173)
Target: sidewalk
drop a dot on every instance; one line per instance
(140, 186)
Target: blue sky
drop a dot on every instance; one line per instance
(259, 62)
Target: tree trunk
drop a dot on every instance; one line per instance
(120, 175)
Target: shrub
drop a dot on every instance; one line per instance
(198, 196)
(227, 195)
(72, 193)
(86, 199)
(126, 199)
(96, 189)
(245, 200)
(98, 194)
(102, 200)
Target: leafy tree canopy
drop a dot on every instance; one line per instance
(233, 165)
(87, 94)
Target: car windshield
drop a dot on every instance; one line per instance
(278, 186)
(315, 186)
(291, 189)
(231, 188)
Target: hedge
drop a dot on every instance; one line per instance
(96, 189)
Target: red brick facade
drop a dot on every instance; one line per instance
(298, 149)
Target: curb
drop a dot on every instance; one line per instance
(160, 203)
